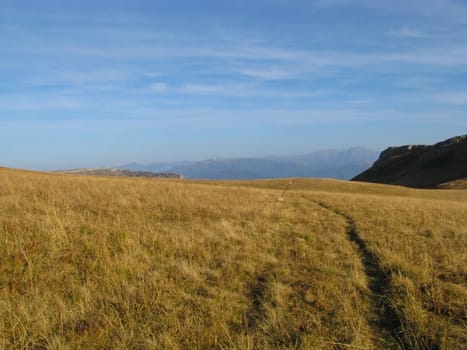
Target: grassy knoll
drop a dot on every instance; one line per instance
(117, 263)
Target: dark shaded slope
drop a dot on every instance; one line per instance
(420, 166)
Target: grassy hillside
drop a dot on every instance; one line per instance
(117, 263)
(455, 185)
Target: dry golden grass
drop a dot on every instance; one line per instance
(114, 263)
(455, 185)
(422, 245)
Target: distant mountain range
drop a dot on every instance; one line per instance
(338, 164)
(441, 165)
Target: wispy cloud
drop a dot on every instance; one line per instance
(206, 119)
(32, 102)
(260, 59)
(438, 56)
(158, 87)
(269, 73)
(407, 33)
(452, 97)
(294, 63)
(228, 89)
(82, 77)
(359, 102)
(249, 90)
(453, 10)
(447, 54)
(150, 74)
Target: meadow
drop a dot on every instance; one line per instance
(133, 263)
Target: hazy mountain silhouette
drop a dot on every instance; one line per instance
(338, 164)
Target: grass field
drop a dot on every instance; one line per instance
(120, 263)
(460, 184)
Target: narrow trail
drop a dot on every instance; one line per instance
(256, 313)
(386, 325)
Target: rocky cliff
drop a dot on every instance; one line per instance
(420, 166)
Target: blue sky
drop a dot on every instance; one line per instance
(98, 83)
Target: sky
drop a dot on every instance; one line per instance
(106, 82)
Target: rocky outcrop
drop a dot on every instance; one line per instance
(121, 172)
(420, 166)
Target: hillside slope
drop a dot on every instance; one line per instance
(420, 166)
(91, 262)
(460, 184)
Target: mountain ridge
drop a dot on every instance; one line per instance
(339, 164)
(420, 166)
